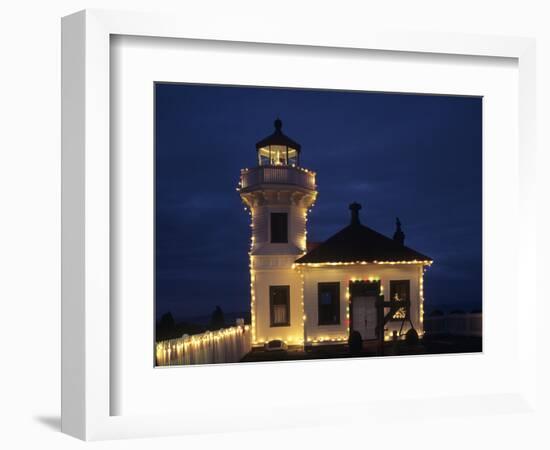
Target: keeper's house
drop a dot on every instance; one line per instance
(357, 280)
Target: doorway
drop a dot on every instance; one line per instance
(365, 309)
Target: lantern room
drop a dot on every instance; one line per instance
(278, 149)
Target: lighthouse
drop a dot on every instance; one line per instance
(278, 194)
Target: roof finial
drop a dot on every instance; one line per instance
(278, 124)
(398, 236)
(354, 208)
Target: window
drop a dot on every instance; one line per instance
(329, 303)
(279, 305)
(278, 155)
(264, 157)
(293, 157)
(400, 297)
(279, 228)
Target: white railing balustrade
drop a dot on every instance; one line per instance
(221, 346)
(467, 324)
(277, 175)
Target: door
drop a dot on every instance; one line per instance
(365, 316)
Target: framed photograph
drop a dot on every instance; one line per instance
(280, 283)
(246, 217)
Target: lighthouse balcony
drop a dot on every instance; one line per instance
(281, 174)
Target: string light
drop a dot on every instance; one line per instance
(304, 317)
(187, 348)
(364, 263)
(348, 309)
(421, 296)
(328, 339)
(252, 300)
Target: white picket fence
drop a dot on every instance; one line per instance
(221, 346)
(468, 324)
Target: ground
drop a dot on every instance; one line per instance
(434, 345)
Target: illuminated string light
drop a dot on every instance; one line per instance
(304, 317)
(198, 348)
(364, 263)
(327, 339)
(252, 301)
(348, 309)
(421, 296)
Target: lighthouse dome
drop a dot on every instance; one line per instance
(278, 149)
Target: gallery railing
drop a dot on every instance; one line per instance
(467, 324)
(277, 175)
(221, 346)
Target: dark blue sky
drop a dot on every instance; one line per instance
(418, 157)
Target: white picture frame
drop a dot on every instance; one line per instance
(86, 199)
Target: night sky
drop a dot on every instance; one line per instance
(417, 157)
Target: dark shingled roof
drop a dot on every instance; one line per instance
(278, 138)
(357, 243)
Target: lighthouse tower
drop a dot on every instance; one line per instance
(278, 194)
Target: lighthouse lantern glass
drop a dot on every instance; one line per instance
(277, 155)
(292, 157)
(264, 156)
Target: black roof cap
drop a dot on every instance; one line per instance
(357, 243)
(278, 138)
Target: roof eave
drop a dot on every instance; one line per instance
(423, 262)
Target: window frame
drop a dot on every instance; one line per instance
(264, 159)
(272, 290)
(335, 302)
(271, 228)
